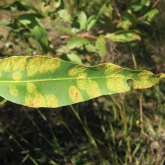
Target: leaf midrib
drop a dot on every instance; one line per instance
(71, 79)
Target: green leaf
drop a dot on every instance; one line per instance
(124, 25)
(24, 5)
(93, 18)
(49, 82)
(65, 30)
(90, 48)
(77, 42)
(63, 49)
(36, 28)
(124, 36)
(82, 20)
(4, 23)
(101, 45)
(65, 15)
(136, 5)
(71, 57)
(21, 5)
(2, 100)
(149, 16)
(126, 20)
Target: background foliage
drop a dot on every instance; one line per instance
(115, 129)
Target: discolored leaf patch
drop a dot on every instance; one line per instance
(49, 82)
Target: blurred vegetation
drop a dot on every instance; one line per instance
(115, 129)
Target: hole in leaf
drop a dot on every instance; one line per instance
(130, 83)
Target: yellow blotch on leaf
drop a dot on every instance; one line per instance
(13, 90)
(82, 75)
(82, 83)
(54, 64)
(49, 64)
(31, 88)
(93, 90)
(117, 85)
(101, 66)
(42, 64)
(75, 94)
(17, 76)
(145, 83)
(33, 65)
(112, 69)
(77, 69)
(36, 100)
(14, 63)
(145, 74)
(90, 86)
(51, 101)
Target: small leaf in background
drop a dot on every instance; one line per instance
(124, 25)
(128, 16)
(101, 45)
(36, 28)
(93, 18)
(57, 3)
(5, 23)
(39, 81)
(149, 16)
(91, 21)
(126, 20)
(136, 5)
(8, 25)
(2, 100)
(82, 20)
(124, 36)
(64, 15)
(109, 12)
(65, 30)
(24, 4)
(63, 49)
(77, 42)
(72, 58)
(90, 48)
(45, 9)
(21, 5)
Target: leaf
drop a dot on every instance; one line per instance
(49, 82)
(24, 5)
(65, 30)
(136, 5)
(77, 42)
(101, 45)
(71, 57)
(124, 36)
(149, 16)
(37, 29)
(126, 20)
(4, 23)
(82, 20)
(124, 25)
(90, 48)
(93, 18)
(21, 5)
(65, 15)
(2, 100)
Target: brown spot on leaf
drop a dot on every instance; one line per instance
(75, 94)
